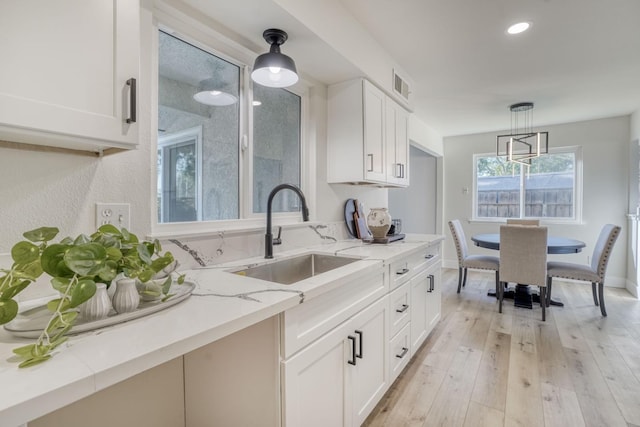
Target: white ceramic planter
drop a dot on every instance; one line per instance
(98, 306)
(126, 297)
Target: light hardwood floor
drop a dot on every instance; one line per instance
(482, 368)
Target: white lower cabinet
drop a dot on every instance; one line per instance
(399, 352)
(434, 298)
(420, 286)
(425, 304)
(338, 379)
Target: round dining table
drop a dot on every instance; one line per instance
(521, 295)
(555, 245)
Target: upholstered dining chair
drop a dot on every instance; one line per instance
(466, 261)
(523, 259)
(593, 273)
(535, 222)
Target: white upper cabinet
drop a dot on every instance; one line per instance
(367, 141)
(397, 131)
(373, 138)
(69, 72)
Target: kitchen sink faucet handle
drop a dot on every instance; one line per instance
(278, 240)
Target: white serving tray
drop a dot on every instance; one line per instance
(34, 315)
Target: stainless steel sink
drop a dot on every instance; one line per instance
(292, 270)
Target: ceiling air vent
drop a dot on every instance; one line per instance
(400, 86)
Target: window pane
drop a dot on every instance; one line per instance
(276, 147)
(549, 186)
(209, 190)
(498, 188)
(177, 174)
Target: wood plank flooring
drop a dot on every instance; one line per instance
(482, 368)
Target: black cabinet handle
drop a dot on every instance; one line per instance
(431, 283)
(359, 354)
(370, 156)
(428, 256)
(403, 309)
(403, 271)
(402, 353)
(353, 350)
(132, 100)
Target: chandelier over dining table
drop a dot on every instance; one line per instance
(522, 145)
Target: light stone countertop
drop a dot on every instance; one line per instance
(221, 304)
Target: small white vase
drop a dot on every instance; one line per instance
(379, 222)
(126, 297)
(98, 306)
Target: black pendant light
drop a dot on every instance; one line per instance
(522, 145)
(274, 69)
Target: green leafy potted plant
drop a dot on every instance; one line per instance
(75, 266)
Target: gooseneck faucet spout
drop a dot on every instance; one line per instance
(268, 237)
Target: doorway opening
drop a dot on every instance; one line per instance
(417, 205)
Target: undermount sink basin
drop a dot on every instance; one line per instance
(292, 270)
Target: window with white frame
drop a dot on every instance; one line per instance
(202, 176)
(550, 188)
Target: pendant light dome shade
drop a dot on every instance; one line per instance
(274, 69)
(210, 93)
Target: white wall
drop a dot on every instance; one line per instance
(605, 167)
(425, 137)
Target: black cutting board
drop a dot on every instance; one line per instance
(349, 209)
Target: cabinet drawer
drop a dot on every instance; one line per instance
(308, 321)
(403, 270)
(399, 308)
(399, 352)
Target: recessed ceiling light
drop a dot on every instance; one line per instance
(256, 103)
(518, 28)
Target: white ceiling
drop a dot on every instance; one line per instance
(580, 60)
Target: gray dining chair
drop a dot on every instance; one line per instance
(523, 259)
(466, 261)
(535, 222)
(593, 273)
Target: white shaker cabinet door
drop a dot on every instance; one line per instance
(420, 286)
(314, 383)
(397, 143)
(434, 298)
(374, 137)
(69, 72)
(369, 375)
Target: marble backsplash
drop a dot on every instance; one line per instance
(217, 249)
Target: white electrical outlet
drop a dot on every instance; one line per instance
(117, 214)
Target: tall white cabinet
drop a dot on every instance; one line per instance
(69, 73)
(367, 138)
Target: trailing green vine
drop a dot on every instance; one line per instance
(75, 266)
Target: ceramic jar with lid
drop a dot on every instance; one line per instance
(379, 222)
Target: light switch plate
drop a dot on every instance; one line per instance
(117, 214)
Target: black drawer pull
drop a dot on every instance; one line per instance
(359, 354)
(431, 283)
(353, 350)
(403, 353)
(403, 309)
(403, 271)
(428, 256)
